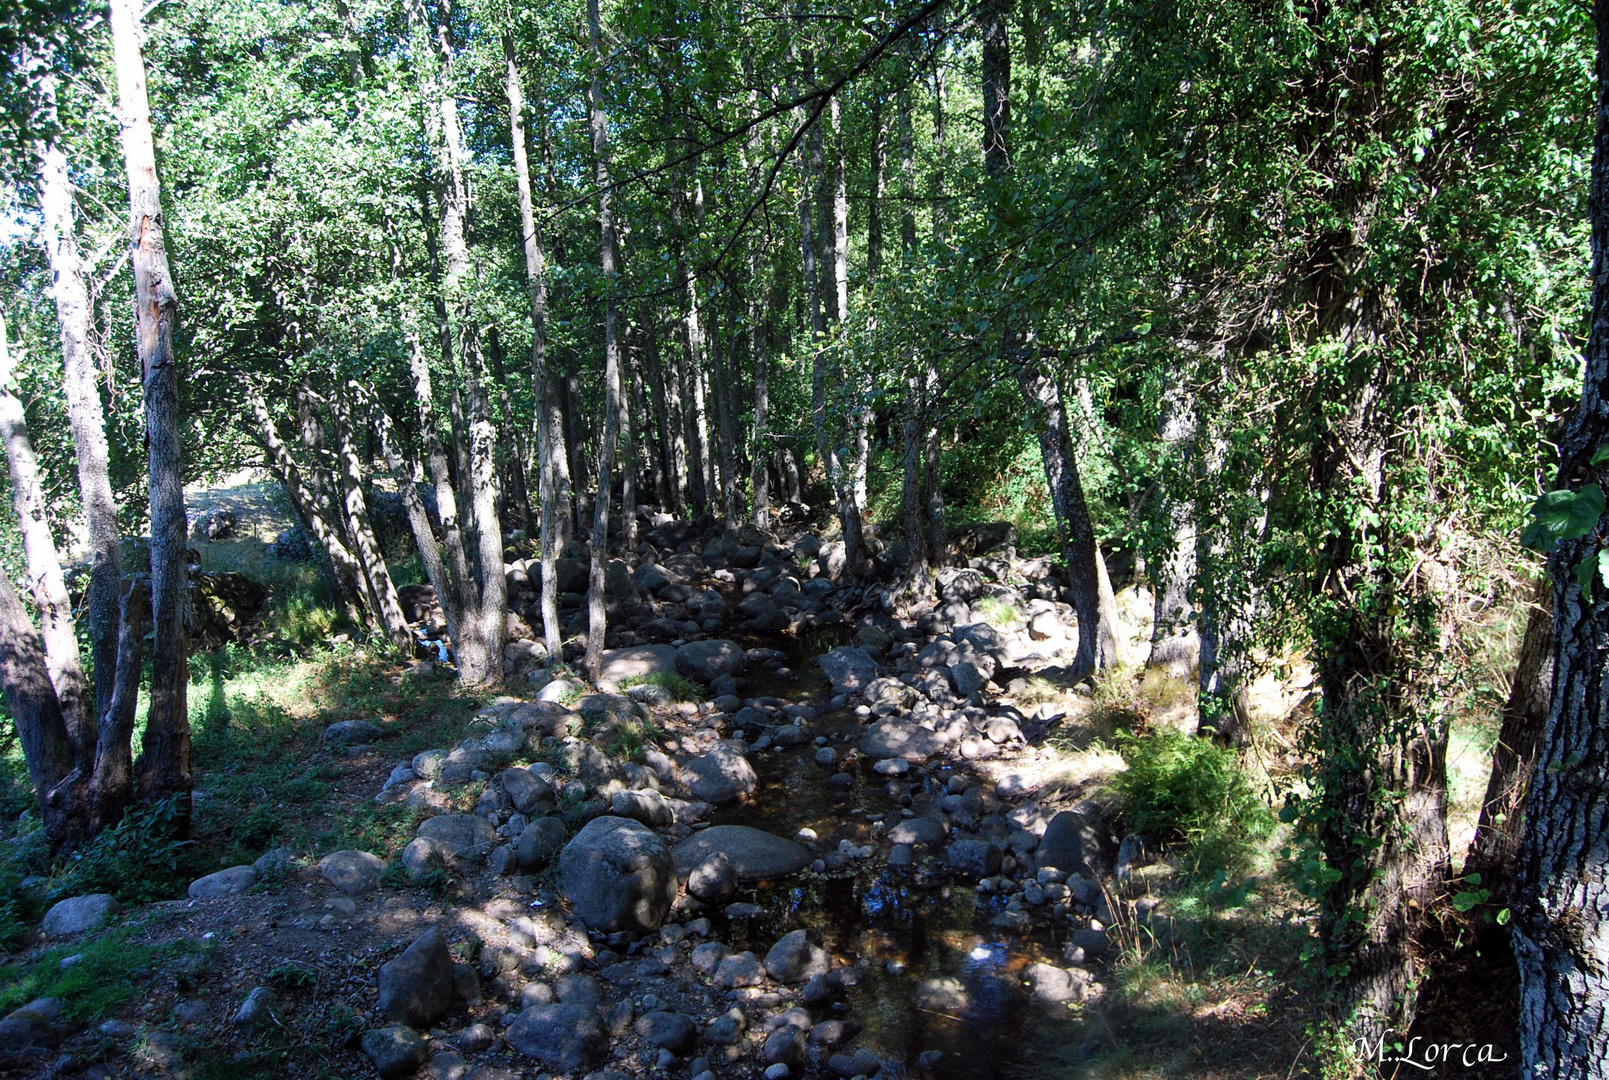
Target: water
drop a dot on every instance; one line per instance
(901, 926)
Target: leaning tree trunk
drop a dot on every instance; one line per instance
(45, 579)
(1561, 908)
(308, 506)
(85, 414)
(596, 612)
(1525, 717)
(381, 590)
(164, 766)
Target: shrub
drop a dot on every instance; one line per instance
(138, 860)
(1180, 788)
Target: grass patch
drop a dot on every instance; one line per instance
(679, 687)
(111, 971)
(1116, 704)
(997, 612)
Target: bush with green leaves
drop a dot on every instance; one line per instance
(1186, 790)
(139, 860)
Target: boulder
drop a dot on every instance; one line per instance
(706, 661)
(417, 987)
(1075, 843)
(564, 1038)
(529, 793)
(945, 994)
(461, 838)
(668, 1030)
(79, 915)
(712, 880)
(637, 663)
(230, 882)
(646, 806)
(32, 1027)
(1051, 986)
(739, 969)
(350, 732)
(617, 875)
(975, 858)
(849, 669)
(754, 855)
(795, 958)
(922, 831)
(721, 776)
(396, 1051)
(541, 840)
(353, 872)
(257, 1009)
(900, 738)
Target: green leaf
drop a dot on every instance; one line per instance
(1600, 455)
(1503, 917)
(1563, 514)
(1583, 575)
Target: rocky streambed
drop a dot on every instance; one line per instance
(855, 858)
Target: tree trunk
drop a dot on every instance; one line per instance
(628, 394)
(345, 564)
(36, 712)
(405, 470)
(1525, 715)
(596, 612)
(85, 414)
(725, 406)
(490, 599)
(111, 785)
(758, 313)
(45, 579)
(1175, 645)
(519, 492)
(1561, 909)
(456, 563)
(382, 591)
(668, 420)
(164, 766)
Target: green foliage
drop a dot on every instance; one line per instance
(680, 687)
(138, 860)
(293, 976)
(111, 970)
(997, 612)
(1179, 787)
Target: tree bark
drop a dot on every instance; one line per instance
(628, 458)
(514, 459)
(490, 599)
(1561, 909)
(31, 699)
(111, 786)
(45, 579)
(668, 421)
(725, 391)
(84, 413)
(597, 122)
(758, 313)
(1175, 644)
(1525, 715)
(164, 766)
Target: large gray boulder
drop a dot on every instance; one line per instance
(894, 738)
(753, 854)
(539, 843)
(721, 776)
(417, 986)
(353, 872)
(618, 875)
(564, 1038)
(638, 663)
(706, 661)
(396, 1051)
(461, 838)
(230, 882)
(1076, 843)
(850, 669)
(79, 915)
(795, 958)
(530, 794)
